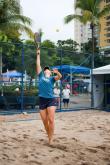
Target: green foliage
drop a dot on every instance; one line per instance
(90, 12)
(86, 49)
(12, 22)
(68, 45)
(11, 91)
(50, 55)
(48, 44)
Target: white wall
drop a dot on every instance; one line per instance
(98, 90)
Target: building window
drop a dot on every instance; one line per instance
(108, 17)
(108, 23)
(108, 41)
(108, 29)
(108, 35)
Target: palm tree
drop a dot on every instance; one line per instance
(12, 22)
(90, 12)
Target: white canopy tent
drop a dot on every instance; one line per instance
(101, 86)
(102, 70)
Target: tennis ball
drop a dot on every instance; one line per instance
(57, 30)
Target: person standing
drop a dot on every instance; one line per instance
(57, 95)
(47, 101)
(66, 96)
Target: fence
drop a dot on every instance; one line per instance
(19, 82)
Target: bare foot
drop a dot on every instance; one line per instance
(50, 141)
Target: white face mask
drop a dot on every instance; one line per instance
(47, 73)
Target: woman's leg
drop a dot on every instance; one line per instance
(51, 117)
(44, 117)
(68, 103)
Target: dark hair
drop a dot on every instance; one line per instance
(46, 67)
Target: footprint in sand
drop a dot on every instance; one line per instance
(41, 140)
(83, 163)
(14, 130)
(33, 154)
(17, 139)
(25, 136)
(34, 162)
(5, 156)
(101, 147)
(51, 150)
(56, 157)
(62, 138)
(74, 139)
(93, 150)
(63, 156)
(64, 128)
(5, 148)
(81, 131)
(41, 130)
(25, 156)
(58, 146)
(3, 141)
(56, 140)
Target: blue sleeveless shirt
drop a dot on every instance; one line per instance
(46, 85)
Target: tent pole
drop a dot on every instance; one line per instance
(22, 83)
(61, 73)
(70, 80)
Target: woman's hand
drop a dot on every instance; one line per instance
(58, 76)
(55, 71)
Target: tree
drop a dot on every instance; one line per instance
(12, 22)
(69, 52)
(68, 44)
(87, 51)
(90, 12)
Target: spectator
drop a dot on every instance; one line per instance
(57, 95)
(66, 97)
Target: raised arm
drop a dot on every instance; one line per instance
(38, 66)
(58, 76)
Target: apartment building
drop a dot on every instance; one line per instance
(82, 33)
(104, 33)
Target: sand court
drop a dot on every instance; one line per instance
(81, 138)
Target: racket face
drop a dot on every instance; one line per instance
(37, 37)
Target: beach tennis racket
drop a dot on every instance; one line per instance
(37, 39)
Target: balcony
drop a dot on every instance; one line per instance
(108, 23)
(108, 35)
(108, 18)
(108, 41)
(108, 29)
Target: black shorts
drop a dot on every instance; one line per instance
(44, 103)
(66, 101)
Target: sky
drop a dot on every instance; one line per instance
(49, 16)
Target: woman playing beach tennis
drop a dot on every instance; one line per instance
(47, 101)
